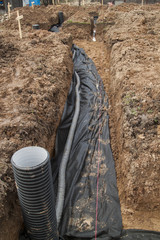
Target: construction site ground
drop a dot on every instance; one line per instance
(35, 75)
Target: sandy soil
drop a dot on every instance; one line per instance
(79, 24)
(135, 112)
(35, 76)
(44, 16)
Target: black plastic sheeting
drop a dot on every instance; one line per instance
(90, 160)
(55, 27)
(135, 234)
(91, 207)
(130, 234)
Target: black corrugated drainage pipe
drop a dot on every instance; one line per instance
(61, 18)
(67, 149)
(32, 172)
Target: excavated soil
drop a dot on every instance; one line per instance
(135, 112)
(80, 23)
(44, 16)
(35, 77)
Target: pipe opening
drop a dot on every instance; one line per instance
(29, 158)
(93, 27)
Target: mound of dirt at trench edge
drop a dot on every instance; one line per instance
(35, 77)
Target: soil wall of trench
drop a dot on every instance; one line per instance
(34, 85)
(132, 38)
(35, 78)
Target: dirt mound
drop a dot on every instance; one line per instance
(150, 7)
(80, 23)
(44, 16)
(126, 7)
(133, 39)
(35, 78)
(80, 17)
(136, 100)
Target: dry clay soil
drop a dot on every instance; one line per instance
(35, 76)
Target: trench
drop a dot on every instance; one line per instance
(132, 218)
(100, 55)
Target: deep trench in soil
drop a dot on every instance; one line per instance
(130, 76)
(132, 219)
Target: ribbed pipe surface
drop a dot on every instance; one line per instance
(32, 172)
(66, 153)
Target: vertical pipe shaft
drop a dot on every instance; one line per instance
(32, 172)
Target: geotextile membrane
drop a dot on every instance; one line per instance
(92, 208)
